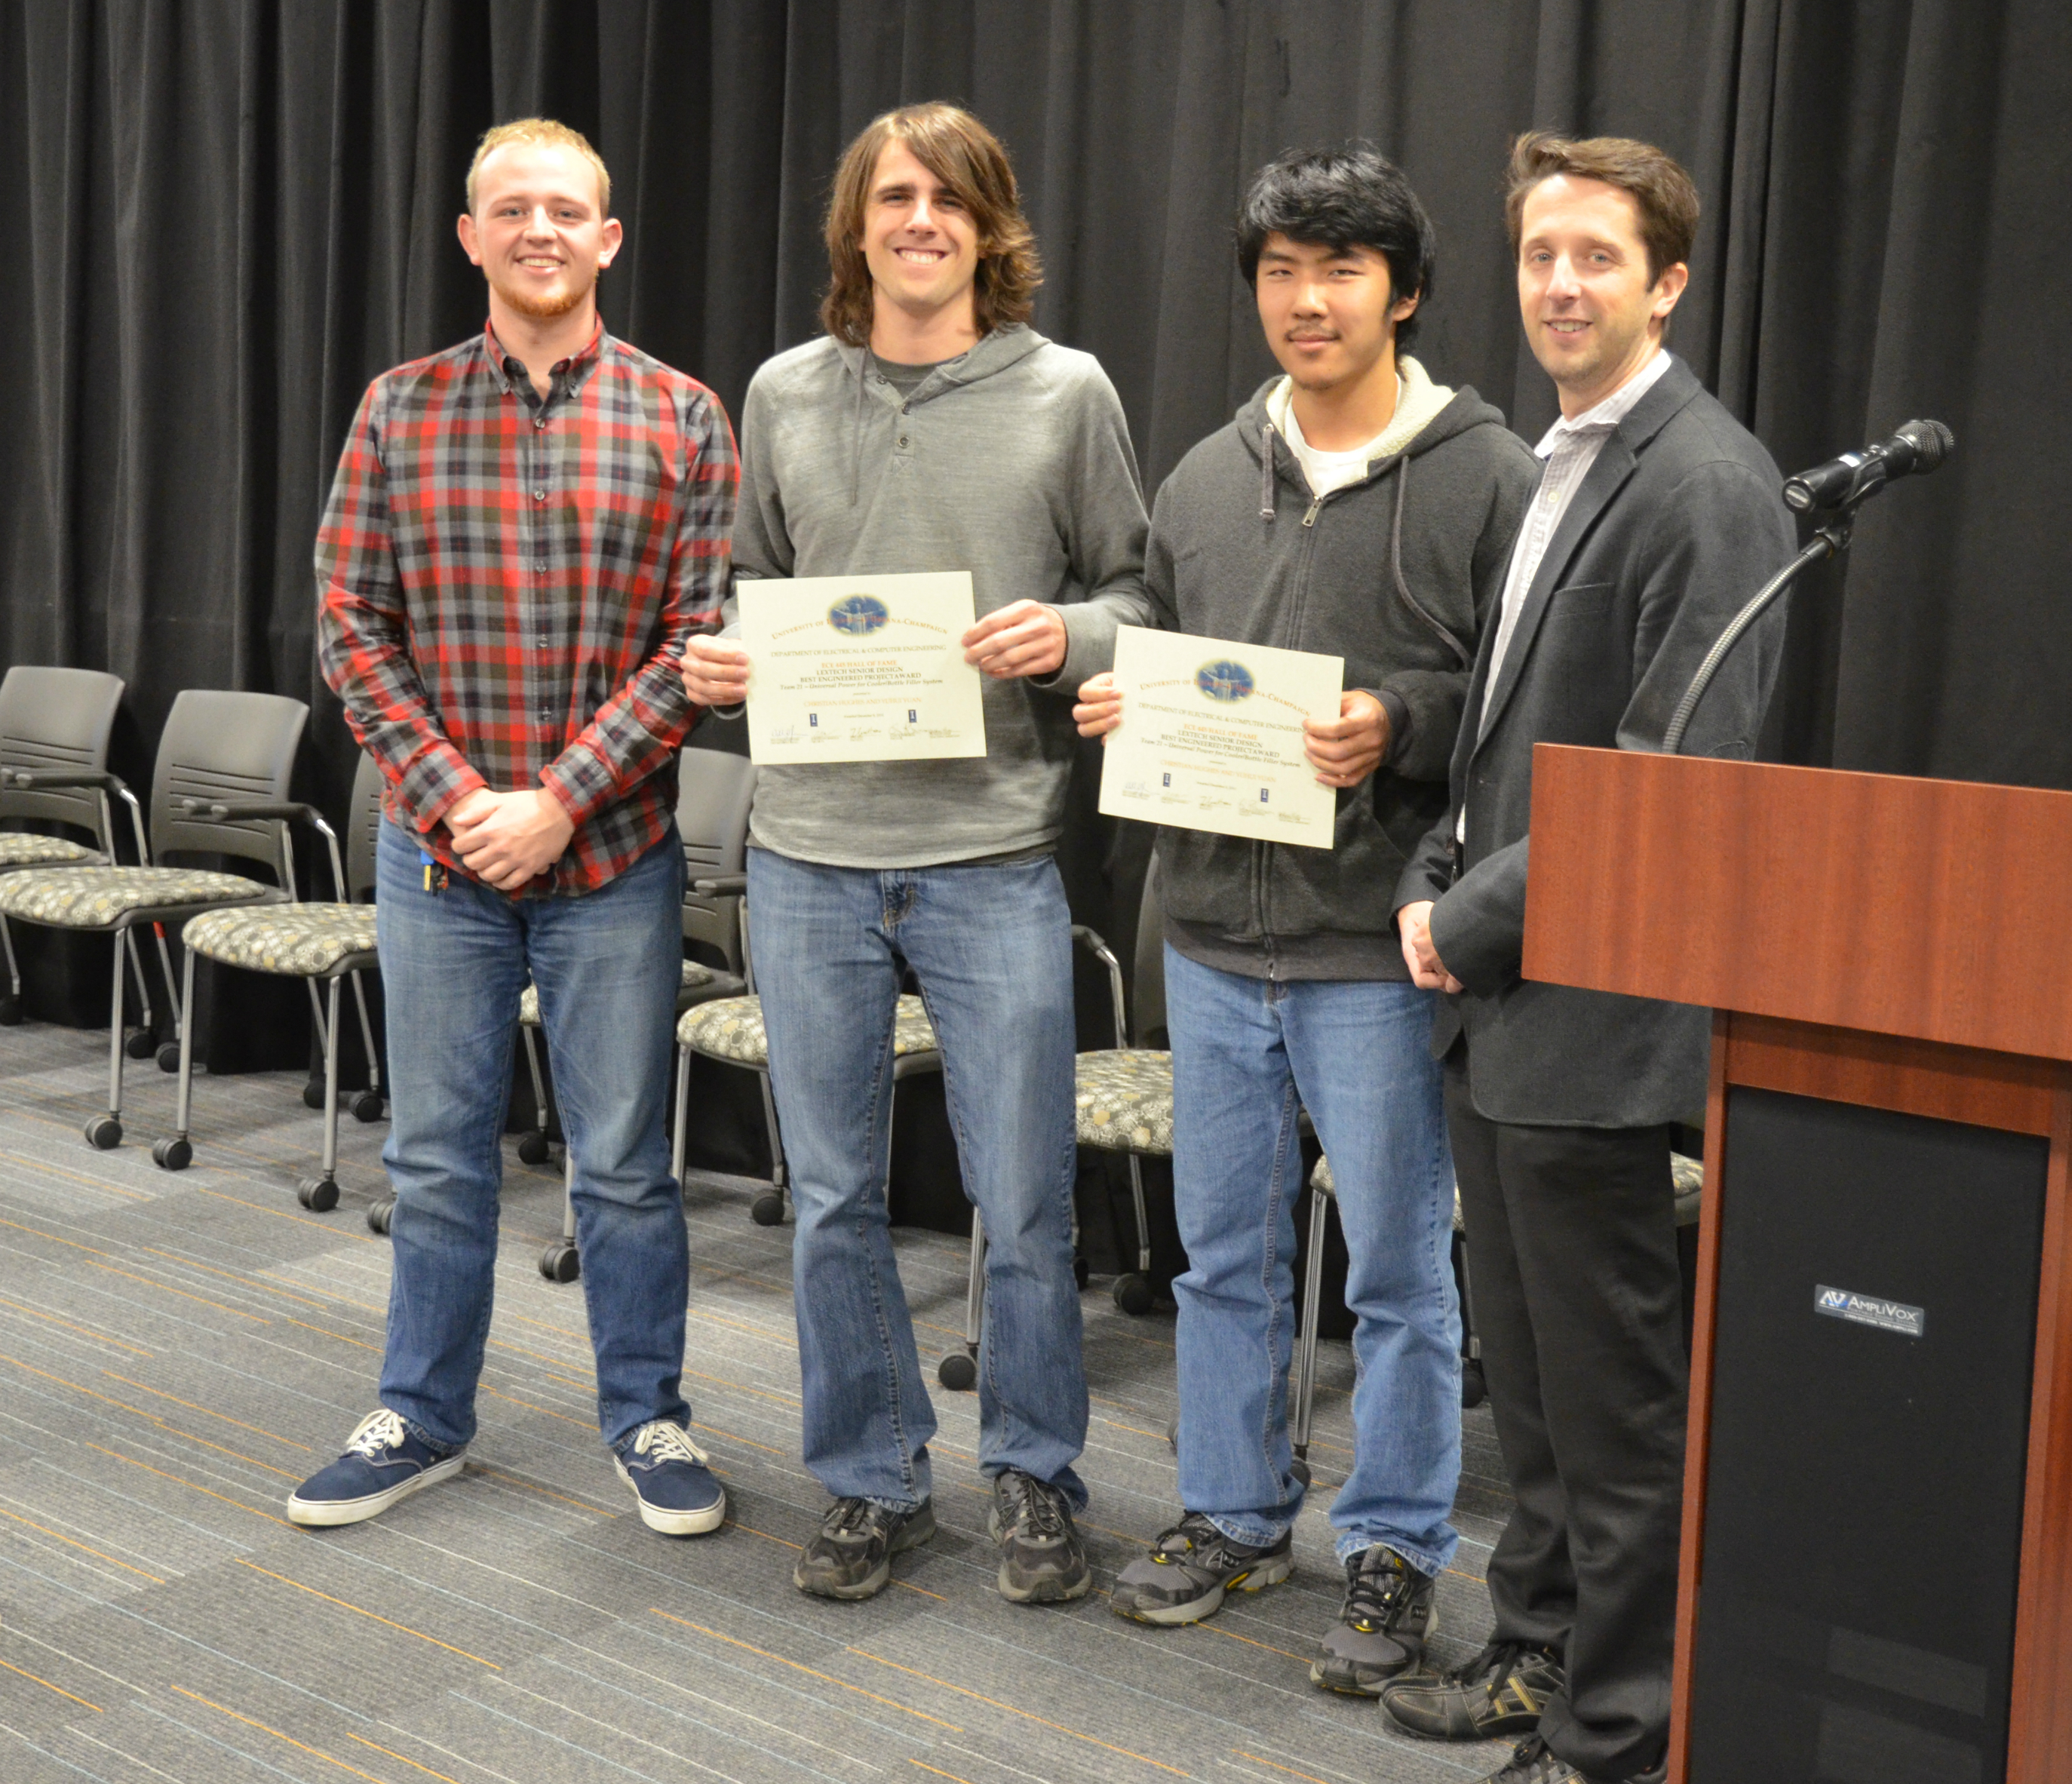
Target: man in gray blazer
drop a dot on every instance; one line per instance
(1657, 516)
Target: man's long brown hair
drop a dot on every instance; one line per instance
(968, 158)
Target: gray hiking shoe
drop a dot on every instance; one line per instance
(851, 1555)
(1382, 1626)
(1041, 1559)
(1189, 1569)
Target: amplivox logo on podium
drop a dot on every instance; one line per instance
(1887, 1316)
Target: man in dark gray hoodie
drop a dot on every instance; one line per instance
(931, 429)
(1353, 508)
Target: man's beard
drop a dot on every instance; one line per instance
(542, 307)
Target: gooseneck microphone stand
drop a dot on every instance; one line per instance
(1831, 539)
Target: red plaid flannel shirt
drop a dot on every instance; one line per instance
(505, 583)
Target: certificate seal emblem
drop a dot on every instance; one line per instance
(1224, 680)
(859, 616)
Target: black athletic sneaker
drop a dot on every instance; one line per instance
(1382, 1626)
(1531, 1763)
(1189, 1569)
(1041, 1559)
(852, 1556)
(1500, 1692)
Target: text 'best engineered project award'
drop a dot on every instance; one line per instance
(861, 668)
(1211, 736)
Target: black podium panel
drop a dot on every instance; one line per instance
(1871, 1374)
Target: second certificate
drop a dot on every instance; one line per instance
(1211, 736)
(861, 668)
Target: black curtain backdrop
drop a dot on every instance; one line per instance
(230, 214)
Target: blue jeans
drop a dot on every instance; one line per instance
(453, 965)
(1248, 1055)
(991, 948)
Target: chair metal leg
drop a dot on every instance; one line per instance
(319, 1194)
(560, 1261)
(1313, 1317)
(1133, 1289)
(958, 1370)
(767, 1209)
(104, 1132)
(533, 1147)
(175, 1153)
(13, 968)
(164, 966)
(680, 1136)
(366, 1033)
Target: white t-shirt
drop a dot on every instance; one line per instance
(1330, 471)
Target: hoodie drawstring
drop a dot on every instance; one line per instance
(1266, 474)
(1460, 650)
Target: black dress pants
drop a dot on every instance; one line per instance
(1578, 1302)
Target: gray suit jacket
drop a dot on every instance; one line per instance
(1678, 522)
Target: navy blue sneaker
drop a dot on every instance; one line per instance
(383, 1462)
(679, 1495)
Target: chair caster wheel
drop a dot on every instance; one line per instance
(104, 1133)
(319, 1194)
(1474, 1384)
(1299, 1470)
(560, 1262)
(1081, 1270)
(313, 1095)
(367, 1106)
(1133, 1295)
(169, 1057)
(532, 1148)
(172, 1155)
(379, 1212)
(767, 1209)
(141, 1045)
(958, 1371)
(10, 1012)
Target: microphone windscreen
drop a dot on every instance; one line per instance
(1931, 441)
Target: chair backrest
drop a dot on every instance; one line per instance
(1149, 962)
(223, 745)
(714, 790)
(57, 719)
(363, 833)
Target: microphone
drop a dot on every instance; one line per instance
(1916, 448)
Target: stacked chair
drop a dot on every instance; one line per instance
(219, 750)
(55, 724)
(319, 943)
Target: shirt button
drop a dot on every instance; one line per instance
(539, 563)
(539, 495)
(903, 439)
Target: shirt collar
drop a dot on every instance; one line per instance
(1602, 418)
(506, 369)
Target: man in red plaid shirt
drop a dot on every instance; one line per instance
(523, 531)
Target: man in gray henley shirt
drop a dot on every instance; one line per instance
(931, 429)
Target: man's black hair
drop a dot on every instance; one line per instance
(1340, 198)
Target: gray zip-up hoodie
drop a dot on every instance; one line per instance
(1012, 462)
(1397, 573)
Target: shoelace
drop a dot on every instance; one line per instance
(1375, 1593)
(848, 1517)
(1192, 1535)
(378, 1431)
(1494, 1664)
(1036, 1507)
(1530, 1762)
(665, 1442)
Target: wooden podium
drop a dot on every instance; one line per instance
(1889, 962)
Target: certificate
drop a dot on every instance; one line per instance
(1211, 736)
(861, 668)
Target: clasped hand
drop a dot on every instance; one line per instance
(506, 840)
(1428, 972)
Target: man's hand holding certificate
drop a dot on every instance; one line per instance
(861, 668)
(1212, 736)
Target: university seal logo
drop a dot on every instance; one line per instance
(1224, 680)
(859, 616)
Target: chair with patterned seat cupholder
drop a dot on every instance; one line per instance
(221, 753)
(319, 943)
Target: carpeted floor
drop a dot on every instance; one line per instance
(178, 1351)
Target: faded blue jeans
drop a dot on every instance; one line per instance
(1248, 1054)
(991, 948)
(453, 965)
